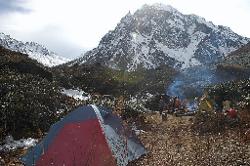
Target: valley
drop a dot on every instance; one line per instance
(153, 58)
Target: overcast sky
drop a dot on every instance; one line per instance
(70, 26)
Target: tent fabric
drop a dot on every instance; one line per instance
(89, 135)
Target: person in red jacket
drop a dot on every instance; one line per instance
(231, 113)
(232, 117)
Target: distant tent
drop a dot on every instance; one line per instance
(89, 135)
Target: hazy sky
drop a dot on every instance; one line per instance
(70, 26)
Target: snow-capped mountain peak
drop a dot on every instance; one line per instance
(160, 35)
(160, 6)
(34, 50)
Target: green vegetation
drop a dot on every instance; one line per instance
(97, 78)
(238, 94)
(29, 99)
(235, 91)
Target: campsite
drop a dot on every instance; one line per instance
(161, 138)
(124, 83)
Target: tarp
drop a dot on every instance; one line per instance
(90, 135)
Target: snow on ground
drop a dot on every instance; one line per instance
(76, 94)
(11, 144)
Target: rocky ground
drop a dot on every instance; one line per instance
(173, 142)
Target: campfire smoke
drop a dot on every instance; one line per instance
(190, 83)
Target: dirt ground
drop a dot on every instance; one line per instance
(174, 143)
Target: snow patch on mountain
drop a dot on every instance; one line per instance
(185, 54)
(34, 50)
(140, 45)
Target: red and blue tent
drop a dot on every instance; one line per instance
(89, 135)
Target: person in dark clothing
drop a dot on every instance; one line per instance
(176, 104)
(218, 100)
(173, 106)
(161, 105)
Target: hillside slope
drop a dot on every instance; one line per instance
(240, 57)
(30, 101)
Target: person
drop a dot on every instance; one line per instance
(205, 103)
(161, 105)
(177, 103)
(232, 116)
(173, 100)
(231, 113)
(218, 101)
(226, 105)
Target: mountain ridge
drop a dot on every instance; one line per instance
(161, 35)
(34, 50)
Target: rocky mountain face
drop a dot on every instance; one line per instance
(34, 50)
(160, 35)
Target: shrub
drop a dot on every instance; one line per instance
(28, 104)
(209, 122)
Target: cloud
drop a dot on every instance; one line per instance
(55, 38)
(8, 6)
